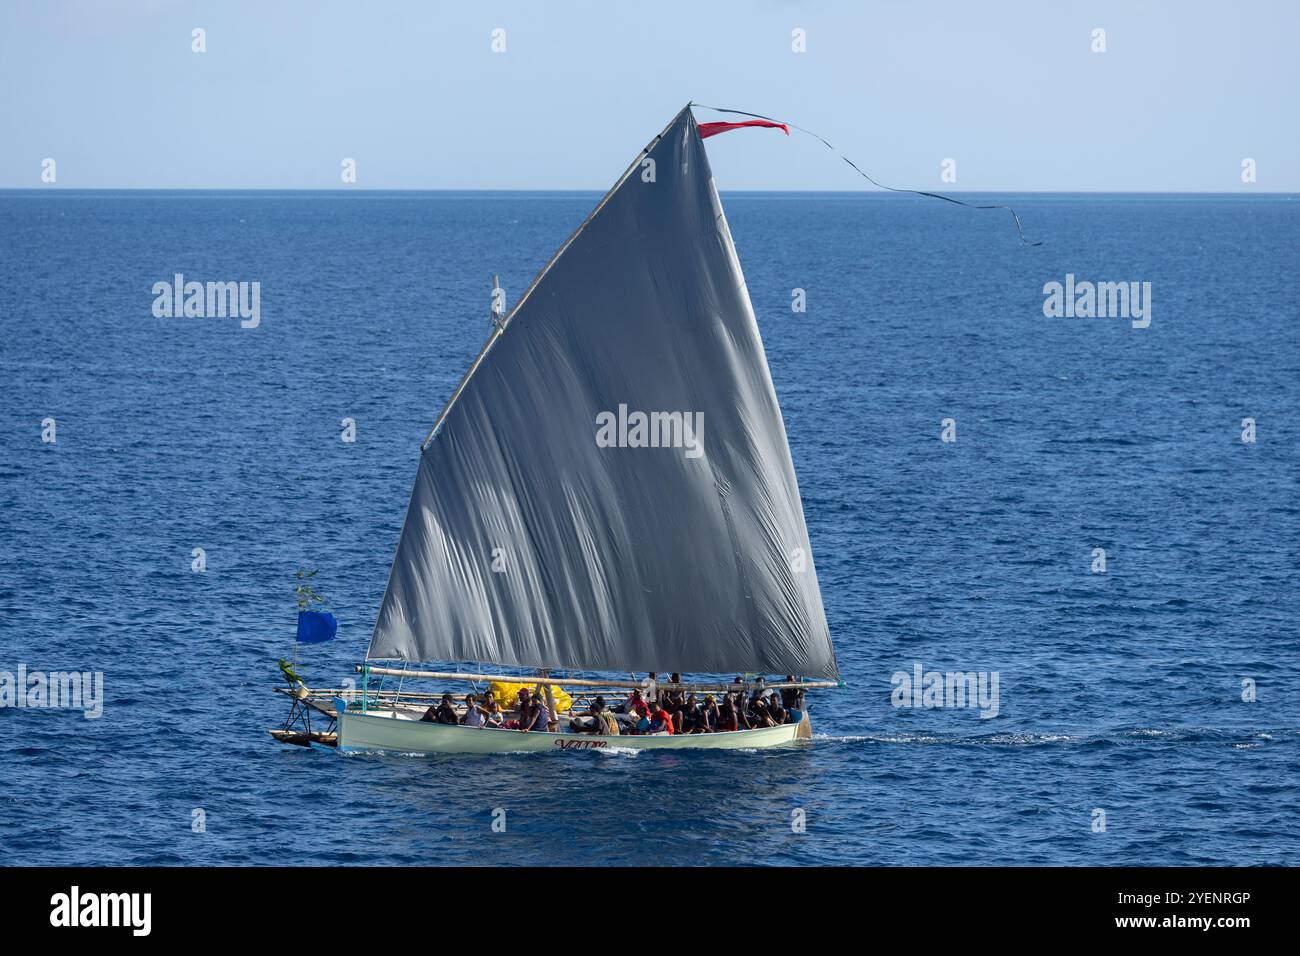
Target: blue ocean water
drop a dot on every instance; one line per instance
(1120, 692)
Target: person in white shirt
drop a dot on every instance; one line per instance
(474, 714)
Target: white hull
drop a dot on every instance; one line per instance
(378, 731)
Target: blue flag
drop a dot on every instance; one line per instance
(316, 627)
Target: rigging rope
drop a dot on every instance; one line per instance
(894, 189)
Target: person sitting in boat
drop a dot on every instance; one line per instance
(532, 713)
(791, 697)
(604, 722)
(590, 722)
(495, 717)
(640, 705)
(685, 714)
(673, 700)
(523, 704)
(728, 719)
(675, 694)
(475, 716)
(775, 710)
(635, 702)
(608, 721)
(694, 711)
(544, 716)
(744, 720)
(760, 716)
(661, 722)
(640, 722)
(707, 716)
(651, 688)
(443, 713)
(633, 710)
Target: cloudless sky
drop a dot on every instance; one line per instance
(412, 91)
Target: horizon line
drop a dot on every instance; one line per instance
(55, 188)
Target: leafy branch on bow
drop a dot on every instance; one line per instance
(306, 594)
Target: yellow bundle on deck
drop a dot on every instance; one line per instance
(508, 695)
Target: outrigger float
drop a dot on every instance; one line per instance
(540, 536)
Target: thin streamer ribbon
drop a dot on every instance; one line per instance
(892, 189)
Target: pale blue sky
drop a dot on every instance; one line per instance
(412, 90)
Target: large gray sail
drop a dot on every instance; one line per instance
(611, 488)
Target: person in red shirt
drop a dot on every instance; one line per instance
(660, 720)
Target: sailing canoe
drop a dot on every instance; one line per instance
(610, 487)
